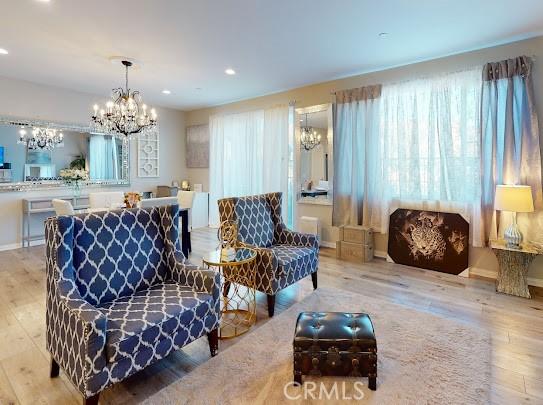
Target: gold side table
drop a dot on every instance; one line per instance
(238, 302)
(513, 267)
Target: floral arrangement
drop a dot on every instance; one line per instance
(131, 199)
(74, 175)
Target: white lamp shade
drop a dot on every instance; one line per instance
(514, 198)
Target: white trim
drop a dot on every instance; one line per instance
(380, 253)
(491, 274)
(19, 245)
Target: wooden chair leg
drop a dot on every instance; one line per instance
(271, 305)
(226, 288)
(314, 279)
(213, 338)
(92, 400)
(55, 369)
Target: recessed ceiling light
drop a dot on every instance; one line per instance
(43, 1)
(230, 71)
(165, 91)
(383, 35)
(3, 51)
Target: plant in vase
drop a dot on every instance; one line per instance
(73, 178)
(131, 199)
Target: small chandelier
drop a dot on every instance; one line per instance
(309, 138)
(124, 116)
(42, 138)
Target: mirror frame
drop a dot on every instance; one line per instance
(298, 150)
(52, 184)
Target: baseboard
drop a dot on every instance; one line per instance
(380, 253)
(490, 274)
(12, 246)
(328, 244)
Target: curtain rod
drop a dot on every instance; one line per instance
(533, 57)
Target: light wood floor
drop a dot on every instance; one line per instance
(516, 325)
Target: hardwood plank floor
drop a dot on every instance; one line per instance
(516, 325)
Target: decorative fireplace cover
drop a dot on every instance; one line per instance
(429, 240)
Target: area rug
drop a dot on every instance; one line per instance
(422, 359)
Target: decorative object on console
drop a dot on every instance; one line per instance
(198, 146)
(283, 256)
(309, 138)
(124, 116)
(335, 343)
(355, 243)
(102, 329)
(42, 138)
(166, 191)
(185, 185)
(131, 199)
(197, 187)
(73, 178)
(513, 199)
(430, 240)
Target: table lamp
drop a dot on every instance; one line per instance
(513, 199)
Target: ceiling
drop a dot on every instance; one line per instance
(273, 45)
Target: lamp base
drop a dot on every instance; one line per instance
(512, 236)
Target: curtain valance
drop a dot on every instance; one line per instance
(358, 94)
(519, 66)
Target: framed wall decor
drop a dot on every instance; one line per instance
(430, 240)
(148, 155)
(198, 146)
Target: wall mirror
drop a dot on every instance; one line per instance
(314, 139)
(32, 154)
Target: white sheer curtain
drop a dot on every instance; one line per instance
(429, 145)
(103, 158)
(424, 153)
(248, 155)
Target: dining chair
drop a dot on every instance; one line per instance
(62, 207)
(106, 200)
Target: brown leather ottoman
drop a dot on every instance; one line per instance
(335, 343)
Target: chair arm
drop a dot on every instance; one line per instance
(266, 263)
(288, 237)
(85, 327)
(202, 280)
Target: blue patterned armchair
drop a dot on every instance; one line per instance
(120, 297)
(283, 256)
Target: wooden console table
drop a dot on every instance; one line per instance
(513, 268)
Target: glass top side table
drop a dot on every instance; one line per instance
(238, 302)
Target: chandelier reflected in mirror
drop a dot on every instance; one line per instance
(309, 138)
(124, 116)
(41, 138)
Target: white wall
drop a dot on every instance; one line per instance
(29, 100)
(321, 93)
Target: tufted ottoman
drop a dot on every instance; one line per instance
(335, 343)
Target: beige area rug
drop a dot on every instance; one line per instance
(422, 359)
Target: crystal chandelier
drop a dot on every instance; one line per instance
(309, 138)
(124, 116)
(42, 138)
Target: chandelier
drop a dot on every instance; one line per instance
(309, 138)
(41, 138)
(124, 116)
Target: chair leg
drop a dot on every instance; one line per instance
(213, 338)
(92, 400)
(55, 369)
(226, 288)
(314, 279)
(271, 305)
